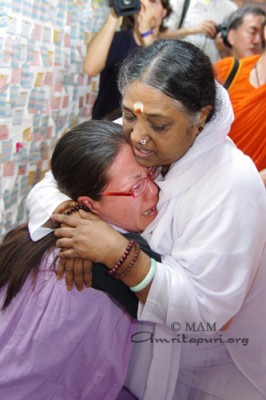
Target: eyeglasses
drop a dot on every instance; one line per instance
(136, 191)
(154, 172)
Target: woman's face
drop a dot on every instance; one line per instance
(154, 10)
(127, 212)
(159, 133)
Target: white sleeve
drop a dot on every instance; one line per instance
(42, 200)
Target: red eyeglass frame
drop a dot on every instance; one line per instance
(130, 192)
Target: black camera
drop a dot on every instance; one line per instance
(223, 29)
(126, 7)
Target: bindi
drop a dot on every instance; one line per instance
(138, 107)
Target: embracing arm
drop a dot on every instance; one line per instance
(210, 267)
(42, 201)
(91, 238)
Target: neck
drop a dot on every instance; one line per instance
(260, 71)
(138, 38)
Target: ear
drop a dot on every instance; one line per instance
(90, 203)
(202, 116)
(204, 112)
(231, 37)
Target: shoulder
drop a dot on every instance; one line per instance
(249, 61)
(124, 34)
(237, 174)
(222, 68)
(123, 42)
(121, 45)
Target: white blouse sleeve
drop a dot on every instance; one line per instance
(42, 200)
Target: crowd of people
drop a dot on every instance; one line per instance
(224, 33)
(157, 222)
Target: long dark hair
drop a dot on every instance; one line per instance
(79, 164)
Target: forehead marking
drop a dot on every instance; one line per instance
(138, 107)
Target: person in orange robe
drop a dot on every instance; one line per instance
(248, 96)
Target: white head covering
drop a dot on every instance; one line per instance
(213, 136)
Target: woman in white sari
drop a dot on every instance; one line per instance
(206, 300)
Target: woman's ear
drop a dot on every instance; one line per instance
(204, 113)
(88, 202)
(201, 119)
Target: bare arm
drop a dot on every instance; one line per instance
(83, 239)
(206, 27)
(99, 47)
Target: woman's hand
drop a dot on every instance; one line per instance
(89, 238)
(77, 272)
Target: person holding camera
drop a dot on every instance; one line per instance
(196, 21)
(248, 96)
(240, 33)
(110, 47)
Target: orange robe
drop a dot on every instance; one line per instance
(248, 130)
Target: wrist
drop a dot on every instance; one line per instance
(114, 251)
(113, 18)
(146, 33)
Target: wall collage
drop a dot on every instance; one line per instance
(43, 90)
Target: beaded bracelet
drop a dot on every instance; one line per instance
(72, 209)
(147, 33)
(121, 261)
(131, 264)
(148, 278)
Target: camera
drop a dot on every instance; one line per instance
(223, 29)
(125, 7)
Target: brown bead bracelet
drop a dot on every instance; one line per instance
(131, 264)
(121, 261)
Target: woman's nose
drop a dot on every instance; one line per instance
(138, 133)
(152, 187)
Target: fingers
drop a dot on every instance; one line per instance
(78, 273)
(64, 206)
(64, 243)
(60, 269)
(68, 253)
(66, 219)
(87, 268)
(209, 28)
(69, 273)
(74, 221)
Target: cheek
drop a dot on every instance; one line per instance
(127, 129)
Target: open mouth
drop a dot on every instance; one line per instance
(140, 152)
(152, 211)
